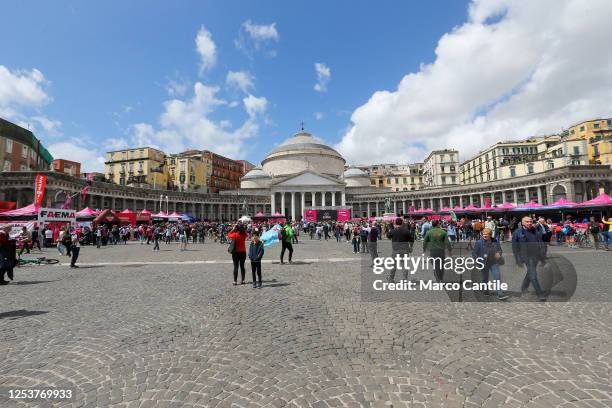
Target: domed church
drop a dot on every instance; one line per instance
(304, 173)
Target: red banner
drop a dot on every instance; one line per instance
(344, 215)
(39, 189)
(310, 215)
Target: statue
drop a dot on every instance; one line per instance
(245, 207)
(387, 205)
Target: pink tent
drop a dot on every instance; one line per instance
(175, 215)
(602, 200)
(277, 214)
(457, 209)
(445, 210)
(530, 205)
(145, 212)
(259, 214)
(87, 212)
(562, 202)
(127, 211)
(471, 208)
(389, 217)
(503, 207)
(31, 209)
(160, 214)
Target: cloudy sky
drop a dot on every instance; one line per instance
(383, 81)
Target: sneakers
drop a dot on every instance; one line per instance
(503, 297)
(259, 286)
(254, 286)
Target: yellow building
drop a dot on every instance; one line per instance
(140, 166)
(186, 172)
(406, 177)
(598, 134)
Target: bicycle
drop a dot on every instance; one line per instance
(37, 261)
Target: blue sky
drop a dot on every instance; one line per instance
(92, 76)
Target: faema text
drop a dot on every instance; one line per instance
(56, 214)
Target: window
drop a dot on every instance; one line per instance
(530, 168)
(142, 154)
(454, 179)
(595, 125)
(443, 179)
(512, 171)
(131, 167)
(572, 132)
(550, 165)
(388, 181)
(7, 165)
(140, 166)
(582, 128)
(595, 150)
(24, 152)
(452, 169)
(404, 180)
(124, 155)
(396, 180)
(576, 150)
(9, 146)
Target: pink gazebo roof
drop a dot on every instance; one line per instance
(471, 208)
(603, 199)
(86, 212)
(127, 211)
(145, 212)
(445, 210)
(504, 206)
(562, 202)
(175, 215)
(259, 214)
(277, 214)
(531, 204)
(160, 214)
(27, 210)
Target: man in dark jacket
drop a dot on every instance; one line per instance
(528, 249)
(436, 241)
(8, 254)
(402, 240)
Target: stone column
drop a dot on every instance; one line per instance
(422, 207)
(515, 194)
(283, 203)
(471, 199)
(333, 194)
(369, 209)
(303, 196)
(273, 202)
(540, 195)
(527, 195)
(293, 206)
(343, 198)
(461, 201)
(395, 207)
(377, 212)
(314, 198)
(112, 203)
(403, 207)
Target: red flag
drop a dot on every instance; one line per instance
(39, 189)
(67, 202)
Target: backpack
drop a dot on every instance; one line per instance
(594, 228)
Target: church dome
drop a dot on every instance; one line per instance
(355, 177)
(255, 178)
(303, 152)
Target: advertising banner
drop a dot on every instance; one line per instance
(310, 215)
(344, 215)
(56, 214)
(17, 226)
(327, 215)
(39, 189)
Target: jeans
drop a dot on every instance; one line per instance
(532, 277)
(75, 255)
(364, 243)
(239, 258)
(356, 244)
(156, 244)
(438, 259)
(285, 246)
(496, 272)
(392, 273)
(607, 237)
(256, 270)
(373, 248)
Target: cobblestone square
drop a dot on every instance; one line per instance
(136, 328)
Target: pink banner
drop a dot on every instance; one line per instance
(310, 215)
(344, 215)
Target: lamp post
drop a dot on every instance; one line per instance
(167, 205)
(161, 199)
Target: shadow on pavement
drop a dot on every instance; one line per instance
(15, 314)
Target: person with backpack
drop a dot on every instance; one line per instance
(594, 230)
(256, 253)
(237, 248)
(402, 241)
(363, 239)
(286, 235)
(356, 239)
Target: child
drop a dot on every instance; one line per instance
(256, 252)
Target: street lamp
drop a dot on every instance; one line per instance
(161, 199)
(167, 205)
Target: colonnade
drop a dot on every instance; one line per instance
(293, 203)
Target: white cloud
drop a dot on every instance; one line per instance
(187, 124)
(319, 115)
(51, 127)
(242, 80)
(81, 151)
(255, 106)
(254, 38)
(21, 89)
(177, 87)
(206, 49)
(501, 75)
(323, 76)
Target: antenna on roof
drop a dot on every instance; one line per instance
(302, 126)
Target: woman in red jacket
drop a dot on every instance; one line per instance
(238, 235)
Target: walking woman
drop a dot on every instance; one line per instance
(489, 249)
(238, 235)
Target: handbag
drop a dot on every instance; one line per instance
(232, 246)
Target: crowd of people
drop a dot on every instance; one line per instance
(363, 235)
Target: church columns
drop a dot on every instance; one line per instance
(303, 194)
(273, 202)
(293, 206)
(369, 213)
(283, 204)
(333, 194)
(343, 198)
(314, 199)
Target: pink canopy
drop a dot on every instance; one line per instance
(87, 212)
(602, 200)
(145, 212)
(160, 214)
(259, 214)
(445, 210)
(503, 207)
(389, 217)
(175, 215)
(277, 214)
(457, 209)
(562, 202)
(31, 209)
(531, 204)
(471, 208)
(127, 211)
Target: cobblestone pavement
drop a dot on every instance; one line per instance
(133, 328)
